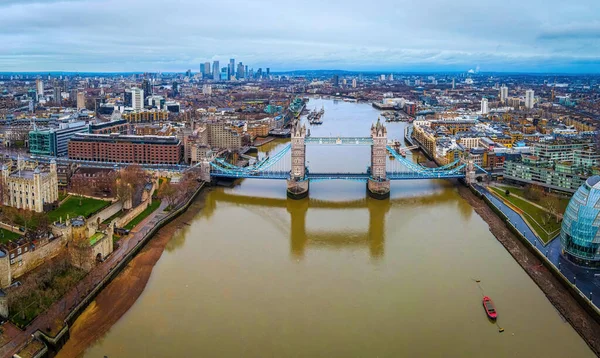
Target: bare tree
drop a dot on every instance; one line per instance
(551, 203)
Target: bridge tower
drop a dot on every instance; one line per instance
(297, 185)
(470, 172)
(378, 186)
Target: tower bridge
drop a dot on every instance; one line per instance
(377, 176)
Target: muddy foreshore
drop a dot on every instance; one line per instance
(587, 327)
(120, 294)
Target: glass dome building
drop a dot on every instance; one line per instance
(579, 235)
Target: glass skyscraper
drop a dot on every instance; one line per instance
(579, 235)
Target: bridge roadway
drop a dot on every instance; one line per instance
(311, 176)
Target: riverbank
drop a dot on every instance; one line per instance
(111, 304)
(557, 294)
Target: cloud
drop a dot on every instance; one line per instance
(147, 35)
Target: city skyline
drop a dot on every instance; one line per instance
(89, 36)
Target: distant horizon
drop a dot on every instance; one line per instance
(370, 72)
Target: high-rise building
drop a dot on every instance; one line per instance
(207, 71)
(240, 71)
(231, 67)
(216, 72)
(268, 71)
(175, 88)
(202, 69)
(335, 81)
(382, 77)
(453, 84)
(484, 106)
(80, 100)
(245, 71)
(147, 87)
(39, 88)
(503, 94)
(354, 83)
(207, 90)
(137, 98)
(529, 99)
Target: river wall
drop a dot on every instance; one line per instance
(58, 341)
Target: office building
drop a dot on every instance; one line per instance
(354, 83)
(220, 135)
(175, 88)
(29, 188)
(231, 67)
(134, 98)
(335, 81)
(529, 99)
(54, 141)
(484, 106)
(503, 94)
(207, 71)
(579, 234)
(116, 148)
(240, 71)
(80, 100)
(147, 87)
(120, 126)
(39, 88)
(215, 71)
(202, 69)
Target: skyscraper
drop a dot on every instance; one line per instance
(80, 100)
(215, 71)
(529, 99)
(137, 98)
(240, 71)
(207, 71)
(503, 94)
(202, 69)
(484, 106)
(231, 66)
(39, 88)
(147, 87)
(175, 89)
(354, 83)
(335, 81)
(268, 71)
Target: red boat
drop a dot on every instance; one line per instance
(490, 310)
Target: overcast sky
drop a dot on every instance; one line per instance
(387, 35)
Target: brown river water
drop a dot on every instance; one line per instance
(338, 274)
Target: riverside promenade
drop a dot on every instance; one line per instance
(587, 281)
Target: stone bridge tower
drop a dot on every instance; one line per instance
(378, 185)
(297, 185)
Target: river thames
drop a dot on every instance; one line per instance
(338, 274)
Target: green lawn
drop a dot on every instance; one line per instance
(562, 201)
(62, 195)
(72, 208)
(534, 215)
(144, 214)
(6, 236)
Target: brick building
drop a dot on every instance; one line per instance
(126, 149)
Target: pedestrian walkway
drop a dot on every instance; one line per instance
(583, 278)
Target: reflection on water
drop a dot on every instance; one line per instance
(338, 275)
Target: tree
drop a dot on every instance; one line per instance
(80, 251)
(169, 193)
(507, 193)
(551, 203)
(533, 192)
(128, 180)
(81, 187)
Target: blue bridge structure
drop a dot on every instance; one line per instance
(377, 175)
